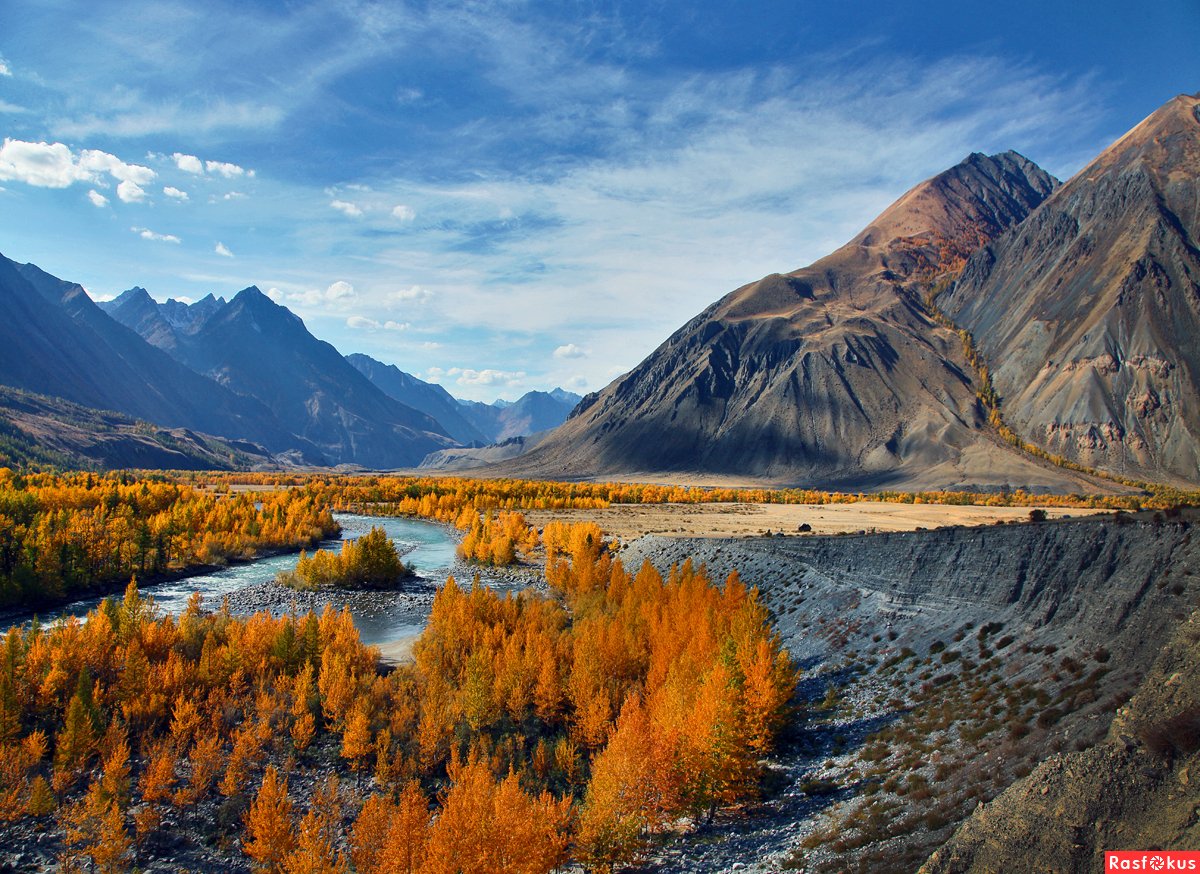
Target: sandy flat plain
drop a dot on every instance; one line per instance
(628, 521)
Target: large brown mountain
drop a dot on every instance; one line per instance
(1089, 312)
(831, 375)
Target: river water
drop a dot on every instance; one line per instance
(381, 617)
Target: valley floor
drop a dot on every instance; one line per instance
(628, 521)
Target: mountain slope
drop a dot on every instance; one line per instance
(258, 348)
(832, 374)
(55, 341)
(1088, 313)
(433, 400)
(41, 430)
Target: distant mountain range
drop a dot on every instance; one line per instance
(241, 379)
(1082, 300)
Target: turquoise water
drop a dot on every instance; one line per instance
(429, 547)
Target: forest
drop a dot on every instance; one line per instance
(530, 730)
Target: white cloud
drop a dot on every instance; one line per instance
(489, 377)
(188, 163)
(577, 382)
(171, 191)
(430, 344)
(338, 294)
(45, 165)
(404, 213)
(130, 192)
(229, 171)
(339, 290)
(12, 108)
(362, 323)
(147, 234)
(54, 165)
(415, 293)
(96, 161)
(570, 350)
(234, 195)
(97, 198)
(5, 69)
(223, 250)
(350, 209)
(275, 294)
(435, 374)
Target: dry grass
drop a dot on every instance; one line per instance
(628, 521)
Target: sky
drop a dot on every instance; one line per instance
(506, 196)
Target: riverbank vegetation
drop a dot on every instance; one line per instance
(370, 562)
(538, 728)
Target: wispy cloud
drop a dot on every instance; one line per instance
(345, 207)
(222, 250)
(147, 234)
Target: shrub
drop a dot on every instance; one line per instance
(1178, 734)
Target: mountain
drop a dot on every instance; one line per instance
(834, 374)
(1088, 313)
(433, 400)
(257, 348)
(531, 413)
(55, 341)
(158, 324)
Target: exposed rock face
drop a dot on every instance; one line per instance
(832, 374)
(1089, 312)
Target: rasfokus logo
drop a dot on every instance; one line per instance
(1151, 860)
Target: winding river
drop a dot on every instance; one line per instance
(381, 617)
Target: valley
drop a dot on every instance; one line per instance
(885, 563)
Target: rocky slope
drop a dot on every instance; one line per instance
(1134, 790)
(1088, 312)
(832, 374)
(952, 663)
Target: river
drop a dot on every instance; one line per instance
(381, 617)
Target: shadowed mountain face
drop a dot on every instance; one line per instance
(433, 400)
(832, 374)
(256, 347)
(55, 341)
(1089, 313)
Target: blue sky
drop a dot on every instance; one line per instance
(502, 196)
